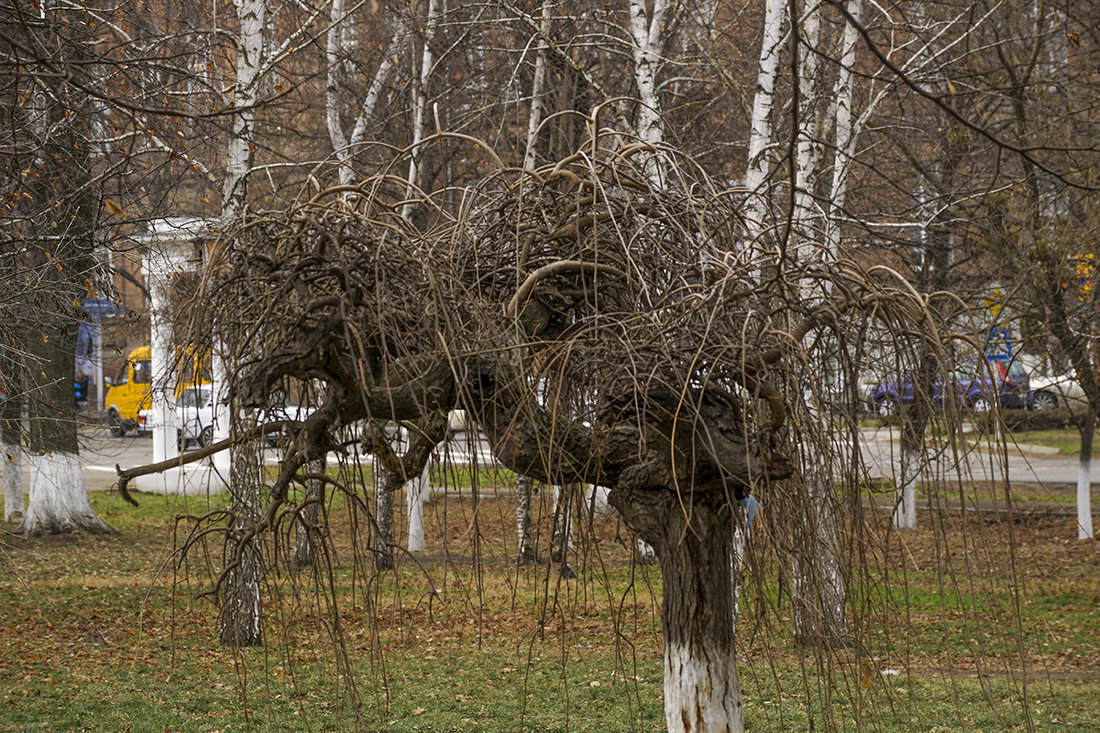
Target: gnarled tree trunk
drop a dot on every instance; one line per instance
(694, 544)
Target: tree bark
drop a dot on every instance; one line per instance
(420, 102)
(534, 115)
(241, 611)
(561, 532)
(250, 43)
(525, 542)
(1084, 474)
(846, 132)
(817, 592)
(11, 448)
(808, 143)
(339, 53)
(58, 498)
(385, 484)
(760, 132)
(646, 30)
(905, 495)
(308, 533)
(416, 493)
(694, 544)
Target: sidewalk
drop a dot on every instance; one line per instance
(99, 454)
(981, 460)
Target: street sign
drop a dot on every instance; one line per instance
(99, 308)
(999, 345)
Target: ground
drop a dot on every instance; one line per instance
(110, 633)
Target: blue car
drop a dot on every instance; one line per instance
(973, 387)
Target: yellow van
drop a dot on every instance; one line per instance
(129, 398)
(130, 393)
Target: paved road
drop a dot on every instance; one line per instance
(1026, 464)
(100, 453)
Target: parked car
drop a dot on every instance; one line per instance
(282, 412)
(195, 411)
(974, 386)
(1060, 390)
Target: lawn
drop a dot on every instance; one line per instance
(116, 632)
(1066, 440)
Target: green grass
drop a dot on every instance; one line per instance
(1066, 440)
(107, 633)
(457, 477)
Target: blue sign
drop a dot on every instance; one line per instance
(99, 308)
(999, 345)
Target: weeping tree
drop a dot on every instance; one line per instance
(600, 328)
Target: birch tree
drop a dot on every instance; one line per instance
(246, 102)
(420, 95)
(535, 108)
(341, 100)
(761, 126)
(647, 32)
(241, 608)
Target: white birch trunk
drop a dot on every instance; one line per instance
(420, 102)
(525, 542)
(905, 495)
(760, 131)
(416, 494)
(238, 159)
(846, 133)
(646, 32)
(1084, 499)
(241, 610)
(535, 116)
(12, 457)
(58, 498)
(807, 146)
(340, 46)
(334, 51)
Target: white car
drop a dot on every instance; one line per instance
(1060, 390)
(195, 409)
(282, 412)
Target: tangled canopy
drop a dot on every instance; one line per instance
(598, 326)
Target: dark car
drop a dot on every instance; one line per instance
(974, 385)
